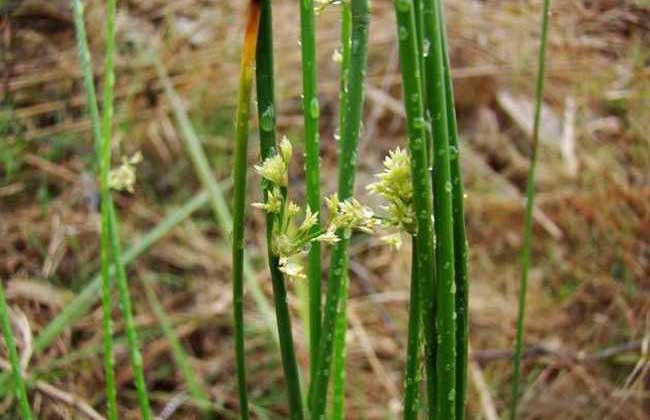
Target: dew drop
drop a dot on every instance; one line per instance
(403, 33)
(266, 122)
(403, 5)
(314, 108)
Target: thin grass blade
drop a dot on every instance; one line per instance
(528, 220)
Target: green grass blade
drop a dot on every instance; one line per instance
(460, 237)
(19, 384)
(444, 225)
(422, 193)
(338, 386)
(240, 167)
(412, 371)
(528, 221)
(195, 386)
(132, 342)
(266, 113)
(311, 112)
(347, 168)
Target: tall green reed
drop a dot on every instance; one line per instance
(109, 241)
(311, 112)
(528, 220)
(460, 237)
(346, 172)
(266, 113)
(444, 226)
(412, 370)
(239, 195)
(339, 376)
(422, 192)
(19, 383)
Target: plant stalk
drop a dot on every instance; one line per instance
(422, 192)
(460, 237)
(444, 224)
(311, 112)
(528, 221)
(338, 386)
(239, 195)
(347, 168)
(266, 113)
(412, 371)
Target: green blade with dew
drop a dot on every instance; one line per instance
(347, 168)
(311, 113)
(266, 114)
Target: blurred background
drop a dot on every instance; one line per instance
(588, 323)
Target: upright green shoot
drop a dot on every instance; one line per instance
(104, 166)
(109, 241)
(239, 195)
(338, 386)
(19, 382)
(422, 193)
(311, 112)
(347, 168)
(411, 376)
(528, 221)
(266, 113)
(438, 108)
(460, 238)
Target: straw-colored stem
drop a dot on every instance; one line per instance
(347, 169)
(239, 196)
(266, 114)
(311, 112)
(19, 383)
(528, 221)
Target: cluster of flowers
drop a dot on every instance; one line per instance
(292, 240)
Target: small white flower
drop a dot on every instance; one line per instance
(123, 177)
(274, 169)
(273, 202)
(329, 237)
(286, 149)
(292, 268)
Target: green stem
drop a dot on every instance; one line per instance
(109, 231)
(19, 383)
(528, 222)
(127, 312)
(412, 377)
(104, 159)
(311, 112)
(422, 193)
(460, 237)
(338, 387)
(266, 113)
(444, 224)
(347, 168)
(239, 196)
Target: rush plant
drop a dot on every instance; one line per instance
(528, 219)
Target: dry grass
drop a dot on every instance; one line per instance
(590, 287)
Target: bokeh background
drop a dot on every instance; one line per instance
(589, 298)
